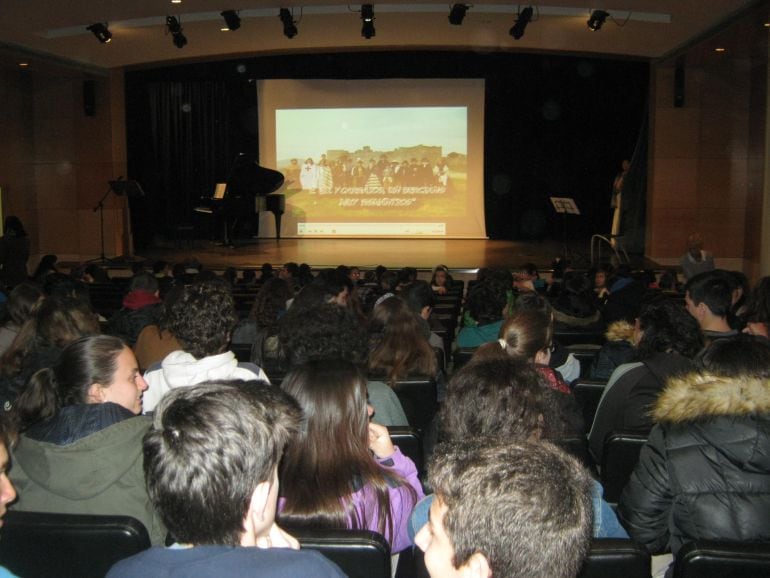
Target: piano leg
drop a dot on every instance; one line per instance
(277, 215)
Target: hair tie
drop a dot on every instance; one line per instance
(503, 343)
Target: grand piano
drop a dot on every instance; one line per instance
(250, 189)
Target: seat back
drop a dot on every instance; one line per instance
(721, 559)
(409, 442)
(621, 454)
(359, 553)
(462, 355)
(614, 558)
(419, 399)
(35, 544)
(588, 393)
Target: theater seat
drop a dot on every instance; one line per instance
(712, 559)
(621, 454)
(615, 558)
(588, 393)
(34, 544)
(359, 553)
(409, 442)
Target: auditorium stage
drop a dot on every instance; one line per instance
(423, 254)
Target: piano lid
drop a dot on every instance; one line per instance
(247, 178)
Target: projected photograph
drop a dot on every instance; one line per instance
(356, 164)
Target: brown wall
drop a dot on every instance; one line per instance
(707, 159)
(55, 161)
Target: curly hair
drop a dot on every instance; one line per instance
(203, 318)
(667, 326)
(271, 303)
(486, 301)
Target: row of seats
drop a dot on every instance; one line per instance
(36, 545)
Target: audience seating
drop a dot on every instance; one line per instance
(462, 355)
(578, 336)
(419, 399)
(34, 544)
(588, 393)
(585, 354)
(615, 558)
(359, 553)
(409, 442)
(721, 559)
(621, 454)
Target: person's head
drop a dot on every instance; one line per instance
(270, 302)
(664, 326)
(527, 335)
(13, 227)
(202, 319)
(757, 314)
(398, 347)
(441, 277)
(739, 356)
(695, 245)
(315, 473)
(289, 271)
(211, 457)
(21, 302)
(510, 510)
(602, 276)
(7, 491)
(495, 398)
(419, 297)
(96, 369)
(576, 298)
(145, 282)
(334, 286)
(487, 301)
(708, 294)
(325, 331)
(388, 281)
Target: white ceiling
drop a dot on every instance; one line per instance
(646, 29)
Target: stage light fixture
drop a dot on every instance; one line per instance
(101, 32)
(232, 20)
(367, 17)
(596, 20)
(175, 29)
(289, 25)
(457, 13)
(518, 28)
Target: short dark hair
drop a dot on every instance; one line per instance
(143, 282)
(487, 300)
(713, 288)
(209, 447)
(203, 318)
(525, 506)
(738, 356)
(418, 295)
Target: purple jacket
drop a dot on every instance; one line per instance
(401, 502)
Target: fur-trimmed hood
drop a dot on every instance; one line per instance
(620, 331)
(697, 396)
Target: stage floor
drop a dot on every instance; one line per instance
(423, 254)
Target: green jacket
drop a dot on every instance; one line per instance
(99, 474)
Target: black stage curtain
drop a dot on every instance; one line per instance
(634, 205)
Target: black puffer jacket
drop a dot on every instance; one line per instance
(705, 471)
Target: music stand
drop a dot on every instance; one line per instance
(565, 206)
(121, 188)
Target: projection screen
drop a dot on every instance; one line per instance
(376, 158)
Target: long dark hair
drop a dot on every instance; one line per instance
(82, 363)
(330, 460)
(398, 347)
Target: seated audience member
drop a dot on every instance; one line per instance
(14, 252)
(210, 462)
(617, 350)
(290, 273)
(486, 306)
(756, 314)
(45, 267)
(602, 278)
(527, 278)
(260, 328)
(667, 338)
(328, 331)
(341, 471)
(142, 306)
(202, 320)
(704, 473)
(7, 491)
(419, 297)
(305, 275)
(625, 296)
(397, 345)
(266, 272)
(708, 297)
(155, 342)
(80, 451)
(515, 509)
(21, 302)
(575, 306)
(441, 281)
(696, 261)
(55, 323)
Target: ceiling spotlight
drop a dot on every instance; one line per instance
(232, 19)
(101, 32)
(457, 13)
(175, 28)
(596, 21)
(517, 30)
(289, 25)
(367, 17)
